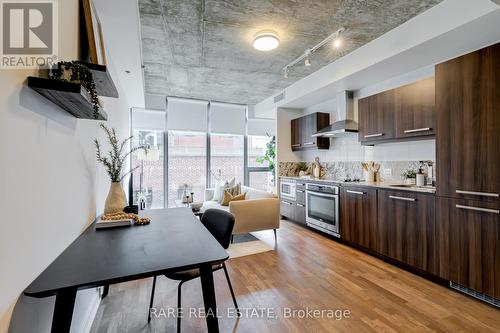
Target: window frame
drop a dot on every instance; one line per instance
(246, 168)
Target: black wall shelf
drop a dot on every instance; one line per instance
(71, 97)
(103, 82)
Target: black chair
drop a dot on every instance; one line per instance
(220, 224)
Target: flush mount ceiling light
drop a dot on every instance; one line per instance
(337, 43)
(266, 41)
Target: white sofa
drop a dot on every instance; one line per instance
(259, 211)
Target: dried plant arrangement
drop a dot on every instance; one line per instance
(117, 156)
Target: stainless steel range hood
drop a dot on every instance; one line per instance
(345, 115)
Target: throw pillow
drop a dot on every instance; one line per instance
(218, 192)
(228, 198)
(235, 190)
(230, 183)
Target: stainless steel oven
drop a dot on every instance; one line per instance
(287, 189)
(322, 208)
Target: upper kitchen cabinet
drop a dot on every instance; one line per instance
(304, 127)
(468, 125)
(415, 109)
(398, 114)
(376, 117)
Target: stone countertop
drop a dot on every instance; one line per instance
(383, 185)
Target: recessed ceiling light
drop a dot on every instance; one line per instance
(266, 41)
(337, 42)
(307, 62)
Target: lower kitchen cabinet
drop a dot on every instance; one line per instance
(358, 216)
(300, 213)
(406, 228)
(473, 229)
(287, 209)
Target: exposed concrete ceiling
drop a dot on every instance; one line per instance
(202, 48)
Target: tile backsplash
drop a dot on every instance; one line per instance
(389, 170)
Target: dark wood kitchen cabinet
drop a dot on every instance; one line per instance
(406, 228)
(376, 117)
(470, 234)
(415, 109)
(398, 114)
(358, 216)
(304, 127)
(468, 125)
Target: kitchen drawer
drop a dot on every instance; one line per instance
(300, 196)
(287, 209)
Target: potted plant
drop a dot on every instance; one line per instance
(75, 72)
(269, 157)
(114, 163)
(409, 176)
(302, 167)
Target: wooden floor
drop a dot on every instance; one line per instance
(311, 271)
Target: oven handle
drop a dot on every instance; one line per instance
(326, 195)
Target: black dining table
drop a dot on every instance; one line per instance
(175, 240)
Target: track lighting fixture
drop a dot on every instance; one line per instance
(337, 43)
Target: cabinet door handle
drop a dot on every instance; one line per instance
(355, 192)
(301, 191)
(483, 194)
(479, 209)
(402, 198)
(286, 203)
(374, 135)
(296, 145)
(300, 205)
(308, 143)
(418, 130)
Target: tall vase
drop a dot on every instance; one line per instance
(115, 202)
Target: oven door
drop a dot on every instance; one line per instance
(323, 211)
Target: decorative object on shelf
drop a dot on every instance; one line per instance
(114, 163)
(409, 176)
(371, 171)
(92, 47)
(270, 157)
(75, 72)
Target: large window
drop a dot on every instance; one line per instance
(206, 142)
(186, 165)
(259, 174)
(148, 179)
(227, 153)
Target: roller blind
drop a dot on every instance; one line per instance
(186, 115)
(227, 118)
(261, 126)
(148, 119)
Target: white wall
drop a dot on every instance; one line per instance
(283, 135)
(51, 188)
(347, 148)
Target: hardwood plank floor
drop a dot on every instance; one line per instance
(311, 271)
